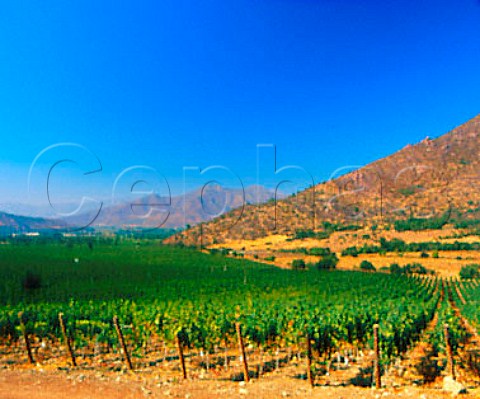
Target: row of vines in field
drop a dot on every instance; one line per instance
(470, 306)
(341, 312)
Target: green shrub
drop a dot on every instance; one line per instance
(415, 268)
(407, 191)
(298, 264)
(318, 251)
(327, 262)
(300, 234)
(470, 271)
(395, 268)
(410, 268)
(328, 229)
(366, 265)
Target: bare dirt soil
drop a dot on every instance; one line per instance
(35, 383)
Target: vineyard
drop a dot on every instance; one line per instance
(139, 305)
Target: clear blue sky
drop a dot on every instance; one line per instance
(180, 83)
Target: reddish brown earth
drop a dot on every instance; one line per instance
(19, 384)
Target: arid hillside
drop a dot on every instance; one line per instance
(436, 179)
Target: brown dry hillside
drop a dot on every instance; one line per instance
(434, 178)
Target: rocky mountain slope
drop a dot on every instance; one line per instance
(436, 178)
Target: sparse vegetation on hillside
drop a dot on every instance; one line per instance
(328, 228)
(466, 223)
(416, 224)
(301, 234)
(397, 245)
(315, 251)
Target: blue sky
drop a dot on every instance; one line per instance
(176, 84)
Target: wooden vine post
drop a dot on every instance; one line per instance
(473, 362)
(309, 361)
(67, 340)
(241, 346)
(121, 340)
(448, 350)
(376, 360)
(181, 357)
(25, 337)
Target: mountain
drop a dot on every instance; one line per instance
(14, 208)
(23, 224)
(45, 211)
(192, 208)
(436, 178)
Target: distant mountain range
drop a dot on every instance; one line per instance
(23, 224)
(149, 212)
(197, 206)
(434, 178)
(44, 211)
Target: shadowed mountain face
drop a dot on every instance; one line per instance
(159, 212)
(434, 178)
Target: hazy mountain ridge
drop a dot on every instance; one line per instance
(25, 224)
(190, 209)
(431, 178)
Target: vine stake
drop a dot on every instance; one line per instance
(241, 346)
(180, 355)
(67, 340)
(376, 360)
(122, 342)
(309, 361)
(25, 337)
